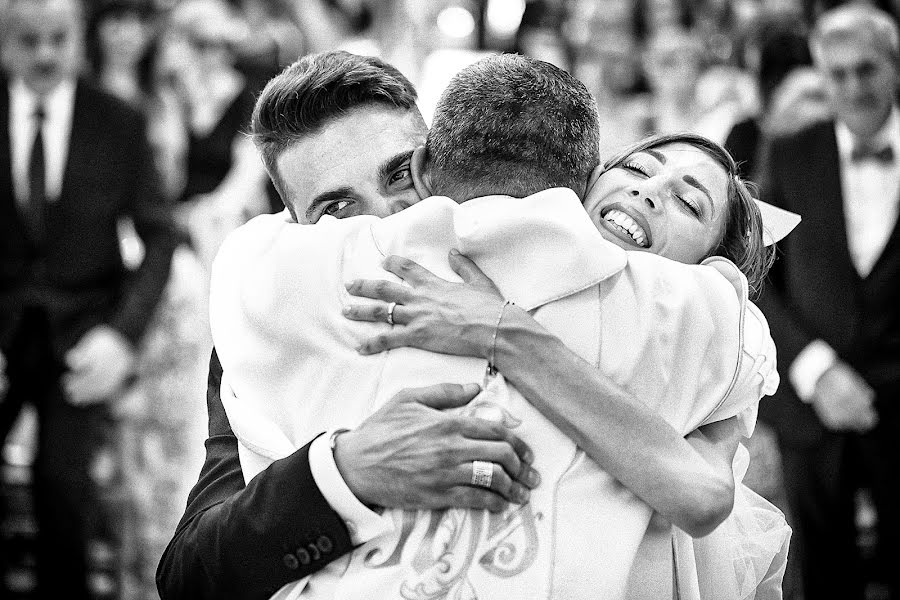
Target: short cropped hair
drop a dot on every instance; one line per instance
(317, 89)
(742, 241)
(512, 125)
(855, 21)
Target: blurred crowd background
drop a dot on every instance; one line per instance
(734, 70)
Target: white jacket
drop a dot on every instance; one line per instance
(682, 338)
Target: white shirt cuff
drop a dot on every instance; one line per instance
(810, 364)
(362, 523)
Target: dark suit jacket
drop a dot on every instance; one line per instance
(815, 291)
(241, 543)
(77, 274)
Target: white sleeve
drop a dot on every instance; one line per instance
(809, 366)
(690, 344)
(363, 523)
(275, 291)
(757, 374)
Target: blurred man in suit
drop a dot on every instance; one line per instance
(73, 162)
(834, 305)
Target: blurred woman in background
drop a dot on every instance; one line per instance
(776, 46)
(223, 180)
(673, 62)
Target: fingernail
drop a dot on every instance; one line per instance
(454, 251)
(346, 310)
(521, 495)
(528, 456)
(349, 285)
(534, 478)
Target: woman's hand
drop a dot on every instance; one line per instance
(432, 314)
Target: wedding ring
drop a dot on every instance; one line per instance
(482, 473)
(390, 313)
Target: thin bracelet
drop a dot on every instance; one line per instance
(491, 366)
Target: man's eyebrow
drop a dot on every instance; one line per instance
(690, 180)
(392, 164)
(329, 196)
(657, 155)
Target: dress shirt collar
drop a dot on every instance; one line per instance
(536, 249)
(888, 135)
(59, 108)
(57, 104)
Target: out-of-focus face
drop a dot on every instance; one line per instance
(124, 37)
(673, 67)
(43, 43)
(358, 164)
(669, 200)
(860, 81)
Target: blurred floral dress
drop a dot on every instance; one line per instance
(161, 426)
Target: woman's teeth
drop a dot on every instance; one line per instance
(628, 226)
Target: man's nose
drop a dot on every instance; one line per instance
(45, 51)
(855, 84)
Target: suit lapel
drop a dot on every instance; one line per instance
(77, 139)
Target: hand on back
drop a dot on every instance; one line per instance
(411, 454)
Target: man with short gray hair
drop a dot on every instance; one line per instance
(834, 305)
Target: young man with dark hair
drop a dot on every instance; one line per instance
(317, 90)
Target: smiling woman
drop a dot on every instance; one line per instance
(680, 196)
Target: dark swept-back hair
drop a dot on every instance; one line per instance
(742, 239)
(512, 125)
(317, 89)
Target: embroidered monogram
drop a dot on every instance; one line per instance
(456, 541)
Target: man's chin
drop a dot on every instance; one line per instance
(865, 120)
(43, 83)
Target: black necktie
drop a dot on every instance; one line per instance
(37, 180)
(865, 152)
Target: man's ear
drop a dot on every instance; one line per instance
(418, 168)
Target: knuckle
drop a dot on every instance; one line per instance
(451, 455)
(511, 461)
(501, 483)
